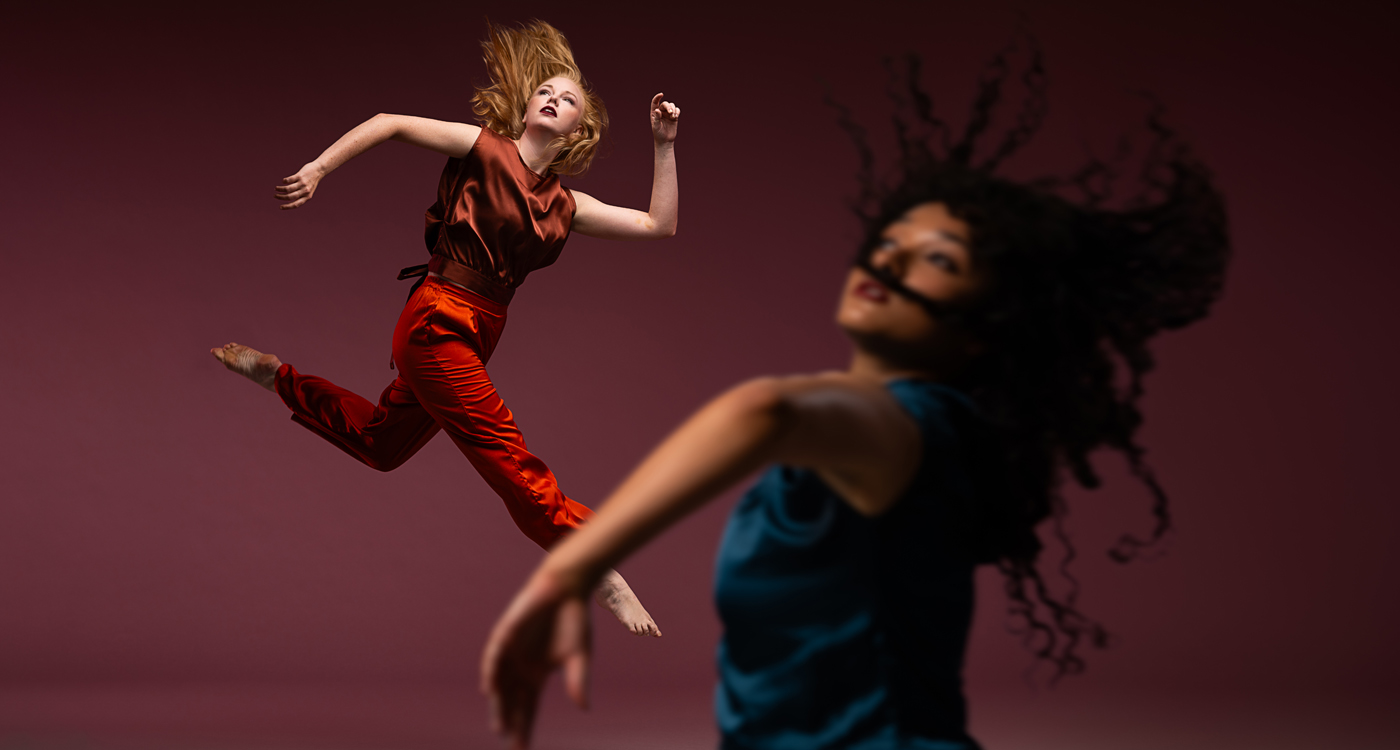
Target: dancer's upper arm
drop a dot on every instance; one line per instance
(447, 138)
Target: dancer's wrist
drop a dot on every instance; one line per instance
(563, 579)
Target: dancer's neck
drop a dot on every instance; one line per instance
(866, 364)
(536, 151)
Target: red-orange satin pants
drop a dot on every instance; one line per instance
(441, 345)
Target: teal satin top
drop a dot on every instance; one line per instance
(842, 631)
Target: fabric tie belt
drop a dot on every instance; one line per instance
(460, 275)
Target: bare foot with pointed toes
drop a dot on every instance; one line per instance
(614, 595)
(250, 363)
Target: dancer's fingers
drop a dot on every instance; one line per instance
(576, 679)
(490, 656)
(520, 717)
(507, 686)
(493, 712)
(573, 643)
(490, 671)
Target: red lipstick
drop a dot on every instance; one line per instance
(872, 290)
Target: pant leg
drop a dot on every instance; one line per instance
(381, 436)
(441, 347)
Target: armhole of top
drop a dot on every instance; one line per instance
(475, 145)
(913, 405)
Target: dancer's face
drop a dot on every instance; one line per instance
(556, 106)
(928, 250)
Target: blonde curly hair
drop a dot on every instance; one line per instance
(518, 60)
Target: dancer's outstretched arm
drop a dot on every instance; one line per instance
(595, 218)
(848, 429)
(449, 138)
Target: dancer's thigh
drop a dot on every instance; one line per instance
(452, 385)
(441, 345)
(450, 380)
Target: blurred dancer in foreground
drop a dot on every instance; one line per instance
(1000, 336)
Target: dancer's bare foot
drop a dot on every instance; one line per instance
(251, 364)
(614, 595)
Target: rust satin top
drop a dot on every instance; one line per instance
(496, 216)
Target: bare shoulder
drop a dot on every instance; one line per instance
(849, 429)
(837, 385)
(841, 406)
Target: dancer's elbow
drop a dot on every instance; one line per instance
(657, 229)
(389, 124)
(762, 400)
(661, 230)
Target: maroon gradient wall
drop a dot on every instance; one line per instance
(163, 522)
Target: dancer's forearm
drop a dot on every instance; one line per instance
(595, 218)
(849, 430)
(358, 140)
(298, 188)
(730, 437)
(664, 210)
(449, 138)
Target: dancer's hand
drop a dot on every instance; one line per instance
(665, 118)
(545, 627)
(299, 188)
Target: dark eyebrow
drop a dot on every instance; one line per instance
(943, 234)
(567, 91)
(956, 239)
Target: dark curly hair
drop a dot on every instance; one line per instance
(1082, 281)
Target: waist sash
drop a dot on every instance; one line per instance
(460, 275)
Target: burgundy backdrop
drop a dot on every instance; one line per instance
(179, 562)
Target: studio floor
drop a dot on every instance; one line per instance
(346, 717)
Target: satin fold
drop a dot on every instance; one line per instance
(495, 216)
